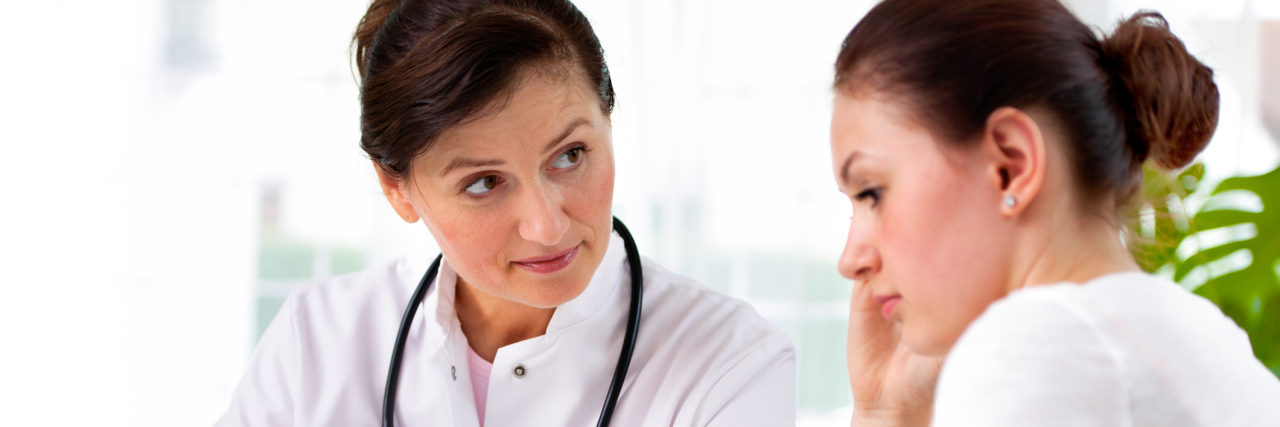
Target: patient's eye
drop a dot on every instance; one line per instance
(872, 193)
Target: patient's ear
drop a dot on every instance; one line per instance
(1014, 146)
(397, 192)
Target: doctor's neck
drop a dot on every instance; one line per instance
(491, 322)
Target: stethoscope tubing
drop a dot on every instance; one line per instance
(624, 359)
(633, 324)
(397, 353)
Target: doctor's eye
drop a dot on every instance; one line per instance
(568, 159)
(872, 193)
(484, 184)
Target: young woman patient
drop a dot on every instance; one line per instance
(987, 147)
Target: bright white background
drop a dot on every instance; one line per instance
(170, 168)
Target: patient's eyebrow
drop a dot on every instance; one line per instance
(844, 170)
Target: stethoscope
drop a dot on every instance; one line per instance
(619, 373)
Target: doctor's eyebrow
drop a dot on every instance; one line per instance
(470, 163)
(479, 163)
(565, 134)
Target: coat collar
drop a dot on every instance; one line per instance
(603, 283)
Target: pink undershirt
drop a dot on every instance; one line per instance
(480, 370)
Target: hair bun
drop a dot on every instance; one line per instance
(1169, 98)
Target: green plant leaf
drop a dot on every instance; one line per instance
(1209, 220)
(1206, 256)
(1250, 295)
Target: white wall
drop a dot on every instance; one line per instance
(131, 185)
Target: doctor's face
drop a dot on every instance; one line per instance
(926, 233)
(519, 199)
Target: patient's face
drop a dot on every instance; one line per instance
(926, 230)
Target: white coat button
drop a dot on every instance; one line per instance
(453, 371)
(519, 371)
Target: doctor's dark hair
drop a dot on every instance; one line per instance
(428, 65)
(1120, 99)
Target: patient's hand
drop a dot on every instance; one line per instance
(891, 385)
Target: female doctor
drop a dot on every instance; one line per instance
(489, 122)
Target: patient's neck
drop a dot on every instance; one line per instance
(491, 322)
(1076, 250)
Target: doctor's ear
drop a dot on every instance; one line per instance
(397, 192)
(1015, 145)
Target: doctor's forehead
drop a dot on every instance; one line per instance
(537, 116)
(538, 109)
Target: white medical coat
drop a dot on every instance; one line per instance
(701, 358)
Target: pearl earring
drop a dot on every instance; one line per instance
(1009, 200)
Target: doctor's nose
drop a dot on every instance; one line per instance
(860, 259)
(542, 217)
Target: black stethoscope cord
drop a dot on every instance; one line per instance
(393, 374)
(633, 323)
(624, 359)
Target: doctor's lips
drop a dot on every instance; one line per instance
(887, 303)
(549, 263)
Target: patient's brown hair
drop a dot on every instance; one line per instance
(1121, 99)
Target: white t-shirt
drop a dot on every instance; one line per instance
(1126, 349)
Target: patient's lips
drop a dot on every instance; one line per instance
(887, 304)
